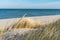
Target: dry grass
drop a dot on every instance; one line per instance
(25, 23)
(46, 32)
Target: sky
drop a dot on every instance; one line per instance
(30, 4)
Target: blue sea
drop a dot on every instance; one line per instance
(14, 13)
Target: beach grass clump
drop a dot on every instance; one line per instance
(46, 32)
(25, 23)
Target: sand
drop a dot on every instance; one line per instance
(38, 19)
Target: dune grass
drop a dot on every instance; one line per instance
(45, 32)
(24, 23)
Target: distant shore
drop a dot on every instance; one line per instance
(39, 19)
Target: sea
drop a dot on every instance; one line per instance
(14, 13)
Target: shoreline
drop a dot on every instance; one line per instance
(31, 16)
(39, 19)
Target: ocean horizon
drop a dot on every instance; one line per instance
(14, 13)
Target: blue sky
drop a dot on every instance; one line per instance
(33, 4)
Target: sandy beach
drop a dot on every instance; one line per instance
(38, 19)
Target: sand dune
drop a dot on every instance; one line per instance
(39, 19)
